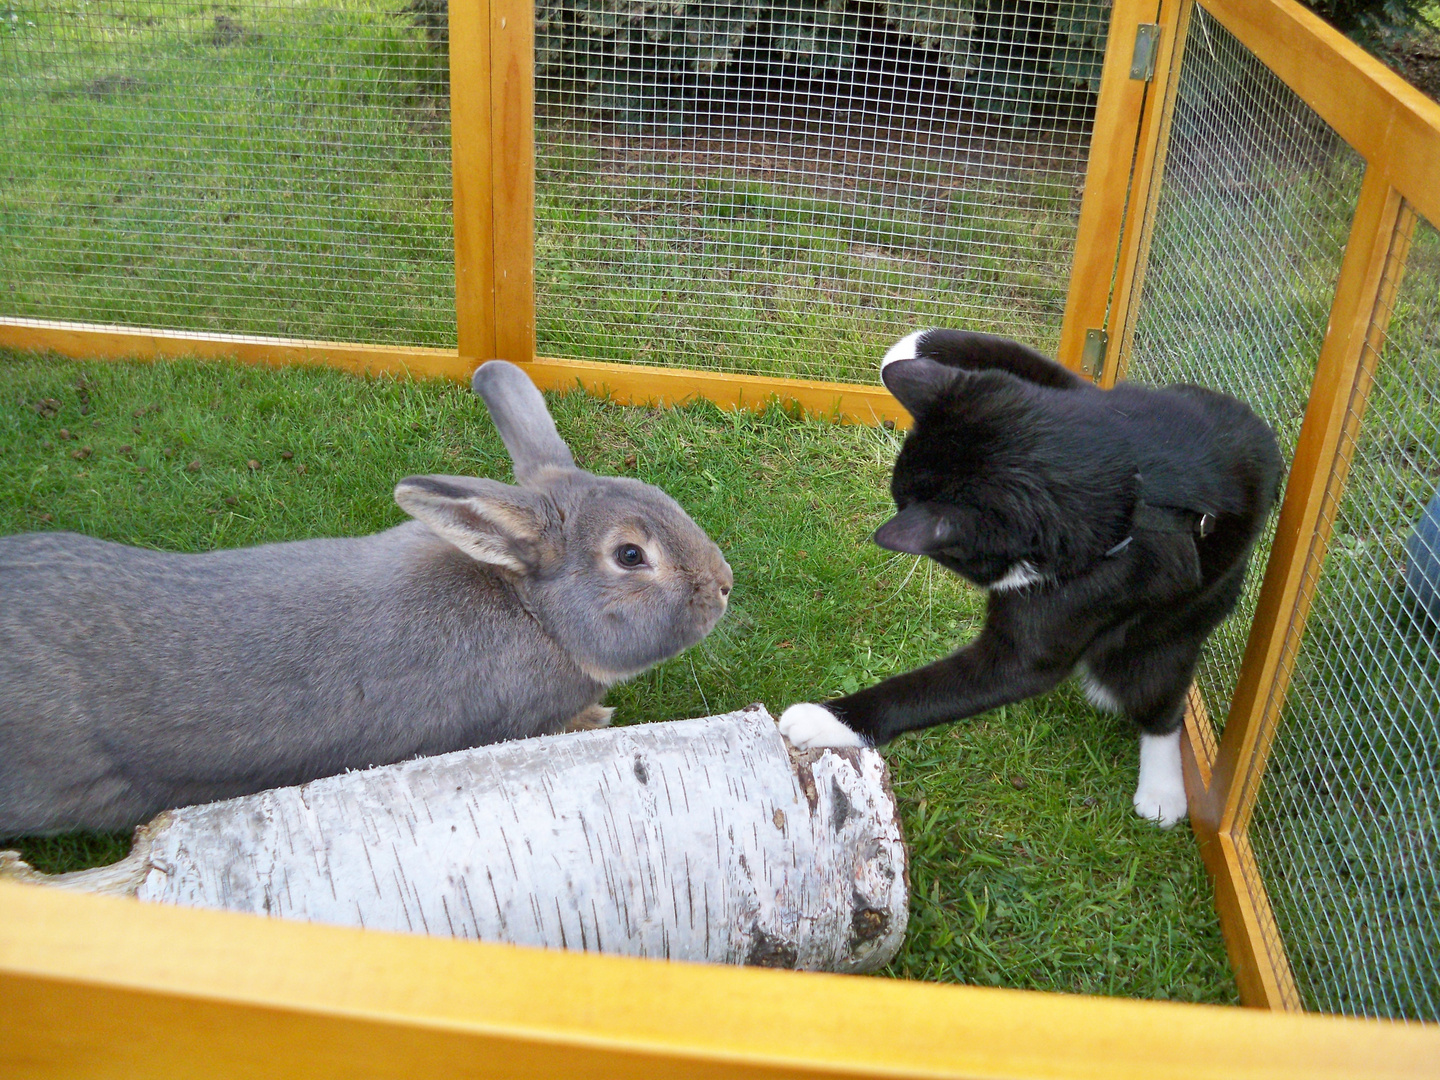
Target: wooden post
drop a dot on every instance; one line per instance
(512, 170)
(1174, 19)
(471, 140)
(1107, 182)
(492, 148)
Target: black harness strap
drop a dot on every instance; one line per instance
(1166, 519)
(1173, 519)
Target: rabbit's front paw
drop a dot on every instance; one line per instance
(808, 726)
(589, 718)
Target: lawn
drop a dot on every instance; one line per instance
(278, 170)
(1029, 868)
(284, 169)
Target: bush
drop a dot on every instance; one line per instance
(1372, 22)
(1020, 60)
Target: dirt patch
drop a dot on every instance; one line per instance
(100, 88)
(228, 31)
(829, 143)
(110, 85)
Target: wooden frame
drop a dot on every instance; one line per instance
(492, 122)
(1108, 180)
(99, 987)
(1149, 168)
(1397, 132)
(626, 384)
(1113, 219)
(95, 986)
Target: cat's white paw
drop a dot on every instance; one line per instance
(809, 726)
(1160, 794)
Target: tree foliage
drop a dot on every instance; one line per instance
(1373, 21)
(1015, 59)
(1018, 60)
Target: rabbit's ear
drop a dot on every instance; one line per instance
(491, 522)
(521, 418)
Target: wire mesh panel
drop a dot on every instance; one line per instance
(1245, 245)
(788, 185)
(277, 168)
(1346, 830)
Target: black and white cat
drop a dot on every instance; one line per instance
(1111, 530)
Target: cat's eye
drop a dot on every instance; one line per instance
(630, 556)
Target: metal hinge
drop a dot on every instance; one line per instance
(1092, 358)
(1147, 44)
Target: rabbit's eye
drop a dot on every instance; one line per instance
(629, 555)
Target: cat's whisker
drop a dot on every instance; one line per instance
(913, 567)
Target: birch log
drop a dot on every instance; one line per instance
(708, 840)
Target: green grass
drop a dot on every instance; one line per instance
(280, 170)
(285, 170)
(1029, 868)
(753, 276)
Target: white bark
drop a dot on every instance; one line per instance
(707, 840)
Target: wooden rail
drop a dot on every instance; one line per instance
(626, 384)
(99, 987)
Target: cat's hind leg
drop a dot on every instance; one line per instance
(1150, 687)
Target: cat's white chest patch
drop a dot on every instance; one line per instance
(1019, 576)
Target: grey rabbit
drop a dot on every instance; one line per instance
(133, 680)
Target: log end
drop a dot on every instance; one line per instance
(849, 795)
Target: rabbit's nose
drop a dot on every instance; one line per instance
(714, 587)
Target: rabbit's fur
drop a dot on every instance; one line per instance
(135, 680)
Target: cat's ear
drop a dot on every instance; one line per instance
(920, 529)
(984, 352)
(917, 382)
